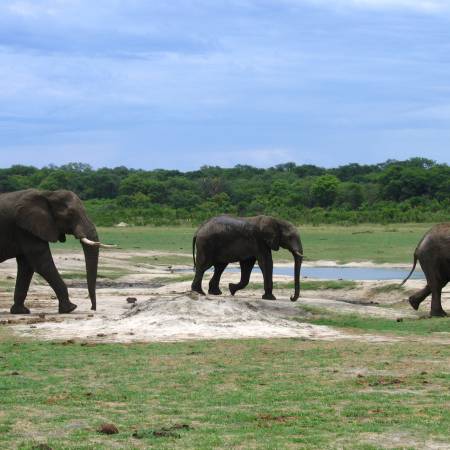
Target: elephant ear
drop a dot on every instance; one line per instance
(270, 232)
(33, 214)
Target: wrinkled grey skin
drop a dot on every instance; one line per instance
(226, 239)
(433, 254)
(29, 220)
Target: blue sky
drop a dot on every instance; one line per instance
(183, 83)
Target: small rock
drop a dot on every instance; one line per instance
(33, 326)
(131, 300)
(101, 334)
(90, 315)
(15, 373)
(41, 315)
(108, 428)
(9, 277)
(399, 319)
(41, 447)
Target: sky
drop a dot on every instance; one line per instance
(184, 83)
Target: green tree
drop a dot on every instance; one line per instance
(324, 190)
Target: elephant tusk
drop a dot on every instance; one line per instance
(96, 244)
(107, 245)
(298, 254)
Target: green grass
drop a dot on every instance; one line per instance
(378, 243)
(270, 394)
(172, 239)
(163, 260)
(385, 289)
(423, 326)
(394, 244)
(112, 274)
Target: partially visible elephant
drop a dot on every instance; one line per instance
(433, 254)
(29, 220)
(226, 239)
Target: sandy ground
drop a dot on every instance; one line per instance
(165, 309)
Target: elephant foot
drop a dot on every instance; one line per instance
(438, 313)
(66, 308)
(199, 291)
(269, 297)
(414, 303)
(19, 309)
(214, 291)
(233, 288)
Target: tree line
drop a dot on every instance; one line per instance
(414, 190)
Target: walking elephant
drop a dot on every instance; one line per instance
(226, 239)
(433, 254)
(29, 220)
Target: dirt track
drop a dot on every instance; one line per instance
(166, 311)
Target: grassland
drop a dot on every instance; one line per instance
(284, 393)
(377, 243)
(268, 394)
(376, 324)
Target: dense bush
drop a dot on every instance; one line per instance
(415, 190)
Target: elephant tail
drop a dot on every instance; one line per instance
(193, 249)
(412, 270)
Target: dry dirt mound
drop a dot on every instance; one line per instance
(186, 317)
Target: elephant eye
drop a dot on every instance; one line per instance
(71, 213)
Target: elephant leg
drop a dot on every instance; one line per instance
(246, 270)
(23, 280)
(42, 263)
(196, 285)
(435, 283)
(214, 288)
(416, 299)
(266, 264)
(436, 306)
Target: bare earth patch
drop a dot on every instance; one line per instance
(166, 311)
(183, 317)
(400, 439)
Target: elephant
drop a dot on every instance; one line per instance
(226, 239)
(29, 220)
(433, 254)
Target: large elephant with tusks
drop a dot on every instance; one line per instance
(226, 239)
(433, 254)
(29, 220)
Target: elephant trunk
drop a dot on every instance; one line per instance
(91, 253)
(298, 258)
